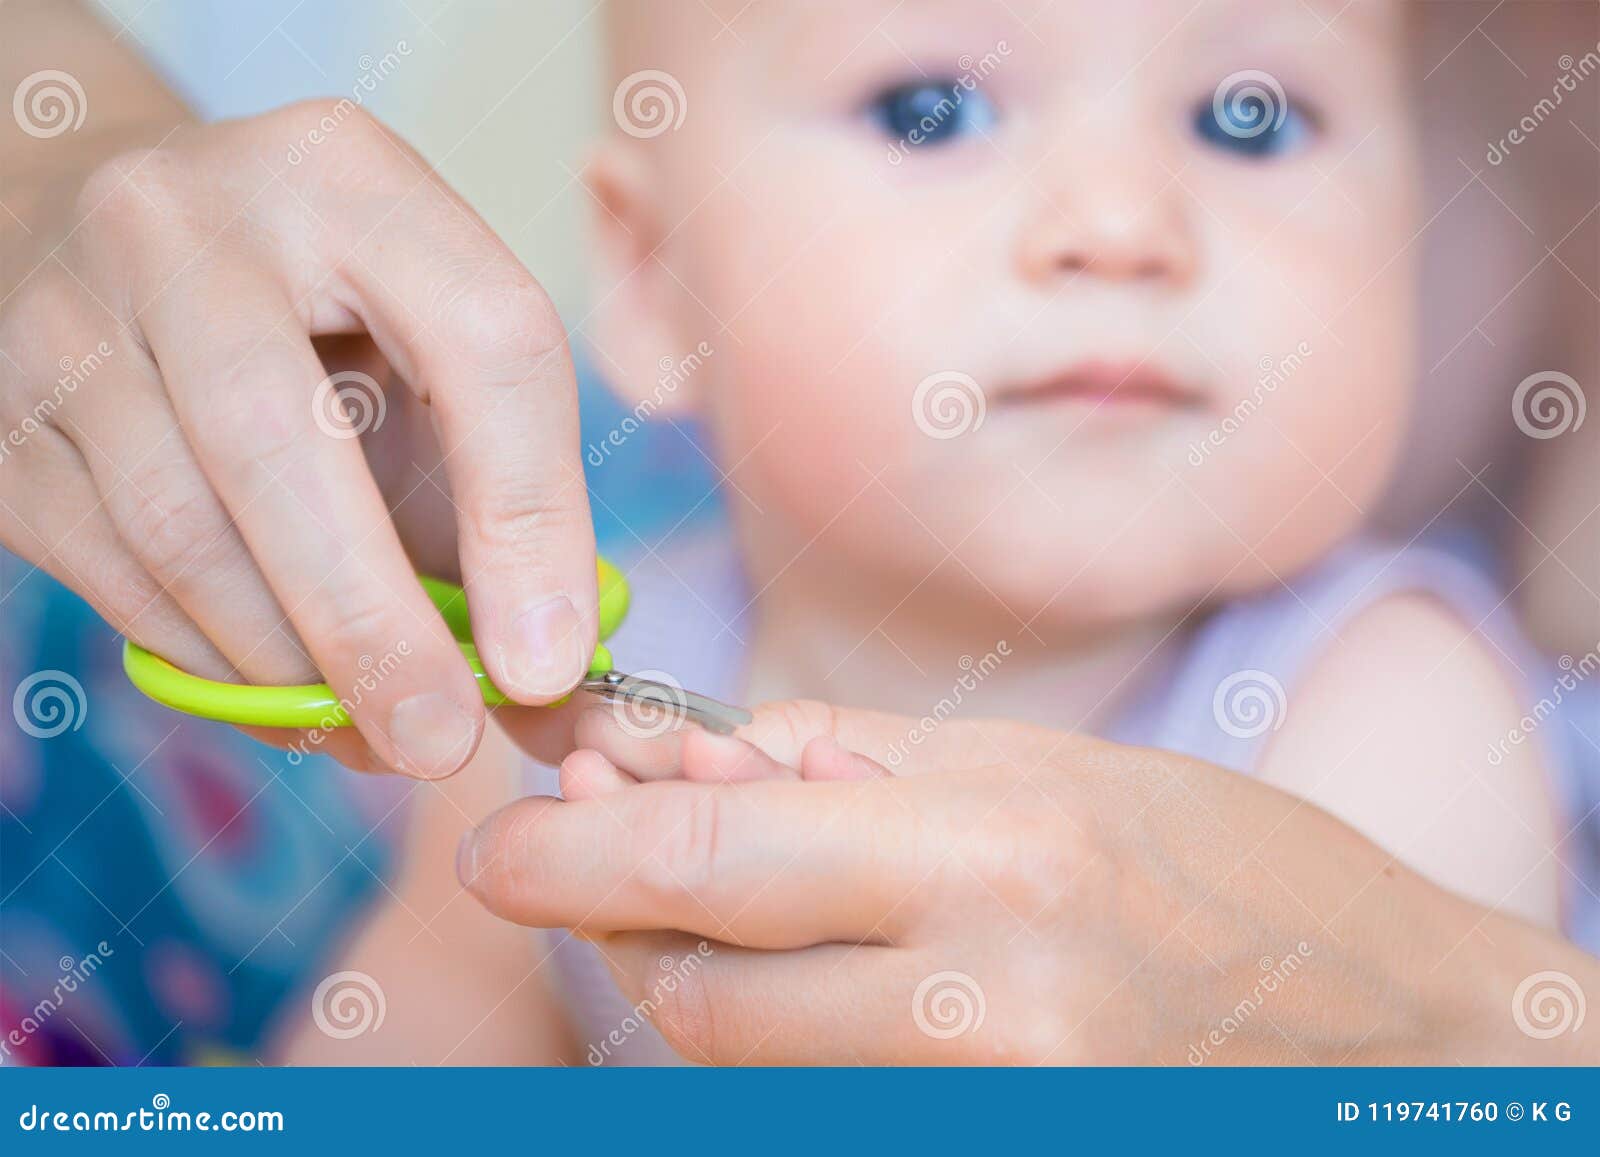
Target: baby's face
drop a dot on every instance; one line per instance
(1188, 335)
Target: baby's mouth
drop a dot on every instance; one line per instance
(1112, 384)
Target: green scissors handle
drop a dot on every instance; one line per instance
(314, 705)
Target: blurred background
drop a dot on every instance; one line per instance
(479, 74)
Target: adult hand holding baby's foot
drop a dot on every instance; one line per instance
(1016, 895)
(793, 741)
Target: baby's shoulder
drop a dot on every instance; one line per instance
(1411, 666)
(1400, 727)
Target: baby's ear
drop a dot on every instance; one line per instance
(637, 330)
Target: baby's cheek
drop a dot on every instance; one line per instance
(815, 395)
(812, 426)
(1304, 471)
(1302, 441)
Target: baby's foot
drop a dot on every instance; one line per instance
(612, 756)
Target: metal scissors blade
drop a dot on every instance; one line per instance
(664, 703)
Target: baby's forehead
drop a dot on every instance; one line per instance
(708, 29)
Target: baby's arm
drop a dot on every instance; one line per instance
(1392, 730)
(461, 987)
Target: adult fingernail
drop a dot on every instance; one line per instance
(546, 641)
(468, 857)
(432, 735)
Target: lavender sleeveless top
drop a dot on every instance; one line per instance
(1216, 701)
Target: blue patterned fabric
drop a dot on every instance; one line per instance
(199, 873)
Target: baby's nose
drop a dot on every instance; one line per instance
(1112, 216)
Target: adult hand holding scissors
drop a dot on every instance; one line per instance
(297, 366)
(1018, 895)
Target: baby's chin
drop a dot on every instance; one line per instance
(1066, 590)
(1095, 553)
(1075, 579)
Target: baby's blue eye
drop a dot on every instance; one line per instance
(1253, 124)
(933, 112)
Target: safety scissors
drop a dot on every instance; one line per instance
(315, 706)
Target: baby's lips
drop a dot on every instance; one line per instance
(1105, 382)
